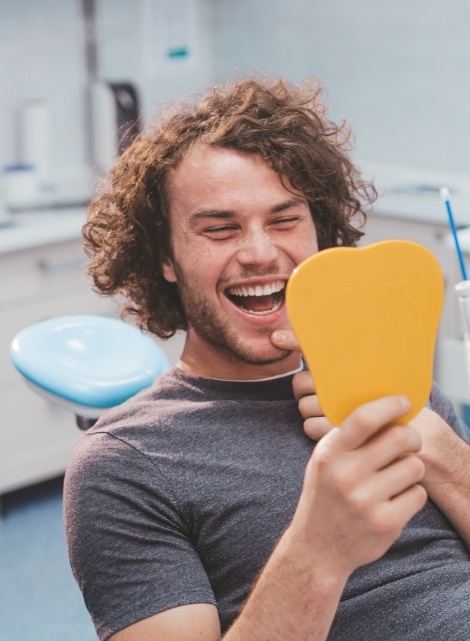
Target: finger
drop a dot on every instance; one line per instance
(368, 419)
(396, 478)
(316, 427)
(402, 507)
(303, 384)
(310, 406)
(390, 444)
(285, 339)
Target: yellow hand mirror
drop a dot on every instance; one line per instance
(366, 319)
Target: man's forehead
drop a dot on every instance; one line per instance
(208, 191)
(203, 162)
(202, 153)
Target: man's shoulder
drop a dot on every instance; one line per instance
(151, 404)
(148, 422)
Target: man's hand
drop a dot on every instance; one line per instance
(316, 425)
(362, 486)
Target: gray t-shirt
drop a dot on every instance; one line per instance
(179, 496)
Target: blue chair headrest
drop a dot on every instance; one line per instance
(89, 360)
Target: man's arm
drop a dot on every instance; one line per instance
(361, 487)
(196, 622)
(447, 460)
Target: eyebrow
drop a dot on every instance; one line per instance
(227, 214)
(292, 202)
(212, 213)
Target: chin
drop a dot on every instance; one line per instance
(266, 356)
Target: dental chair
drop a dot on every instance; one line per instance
(85, 363)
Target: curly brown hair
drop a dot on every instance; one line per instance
(127, 236)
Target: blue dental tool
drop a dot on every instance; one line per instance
(445, 195)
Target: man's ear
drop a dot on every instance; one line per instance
(168, 271)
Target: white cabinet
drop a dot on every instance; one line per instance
(36, 438)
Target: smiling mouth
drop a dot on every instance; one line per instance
(258, 299)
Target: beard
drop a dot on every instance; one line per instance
(203, 316)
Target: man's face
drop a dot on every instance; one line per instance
(236, 234)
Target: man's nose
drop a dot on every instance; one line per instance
(257, 248)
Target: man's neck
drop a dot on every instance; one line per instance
(181, 365)
(215, 364)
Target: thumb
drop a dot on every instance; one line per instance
(285, 339)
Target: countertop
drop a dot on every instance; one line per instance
(408, 193)
(58, 215)
(37, 228)
(412, 193)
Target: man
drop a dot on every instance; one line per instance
(205, 508)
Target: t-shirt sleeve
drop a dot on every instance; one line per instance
(443, 406)
(129, 544)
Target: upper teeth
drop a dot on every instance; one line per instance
(257, 290)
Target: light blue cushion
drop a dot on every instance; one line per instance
(89, 360)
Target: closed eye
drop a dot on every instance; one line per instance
(222, 232)
(286, 222)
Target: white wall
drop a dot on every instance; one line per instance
(398, 71)
(42, 55)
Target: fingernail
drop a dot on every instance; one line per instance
(405, 402)
(279, 336)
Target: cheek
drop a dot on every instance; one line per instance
(208, 261)
(312, 244)
(193, 266)
(304, 248)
